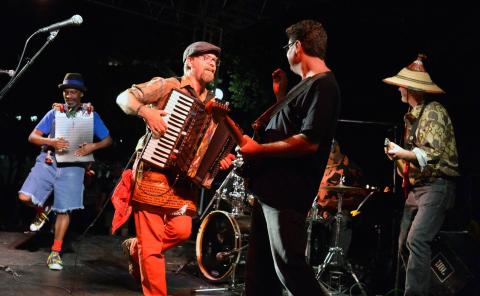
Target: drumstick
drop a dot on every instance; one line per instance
(357, 211)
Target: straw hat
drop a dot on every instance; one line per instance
(415, 77)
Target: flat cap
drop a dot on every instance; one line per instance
(200, 47)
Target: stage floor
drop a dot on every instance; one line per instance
(93, 265)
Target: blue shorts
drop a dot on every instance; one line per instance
(65, 182)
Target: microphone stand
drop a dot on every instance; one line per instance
(18, 74)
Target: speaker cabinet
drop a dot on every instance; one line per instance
(453, 261)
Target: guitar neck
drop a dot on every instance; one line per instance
(219, 112)
(234, 131)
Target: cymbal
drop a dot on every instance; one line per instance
(340, 188)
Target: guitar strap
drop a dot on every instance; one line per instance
(409, 143)
(263, 119)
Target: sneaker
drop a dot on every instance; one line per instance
(40, 219)
(54, 261)
(133, 268)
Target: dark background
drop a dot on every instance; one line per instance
(126, 42)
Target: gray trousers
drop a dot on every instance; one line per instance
(276, 253)
(423, 216)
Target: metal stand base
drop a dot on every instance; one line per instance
(336, 259)
(234, 287)
(234, 290)
(342, 266)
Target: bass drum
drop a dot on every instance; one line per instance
(220, 247)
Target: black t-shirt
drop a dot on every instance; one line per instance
(287, 182)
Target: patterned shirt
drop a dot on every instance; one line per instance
(434, 142)
(333, 173)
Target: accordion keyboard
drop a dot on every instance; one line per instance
(159, 151)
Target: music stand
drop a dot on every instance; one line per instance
(336, 252)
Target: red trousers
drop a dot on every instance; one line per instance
(156, 233)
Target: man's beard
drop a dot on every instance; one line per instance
(208, 76)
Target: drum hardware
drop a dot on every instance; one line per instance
(223, 256)
(336, 252)
(314, 213)
(234, 198)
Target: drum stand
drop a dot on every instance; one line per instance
(314, 214)
(336, 252)
(234, 286)
(236, 194)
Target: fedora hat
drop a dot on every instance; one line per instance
(73, 80)
(415, 77)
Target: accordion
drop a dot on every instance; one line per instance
(193, 144)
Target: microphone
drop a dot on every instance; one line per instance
(222, 256)
(75, 20)
(8, 72)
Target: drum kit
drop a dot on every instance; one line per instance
(223, 235)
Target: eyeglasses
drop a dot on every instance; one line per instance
(210, 58)
(287, 47)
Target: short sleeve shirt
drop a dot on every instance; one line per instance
(314, 113)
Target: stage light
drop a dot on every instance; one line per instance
(218, 93)
(33, 118)
(18, 117)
